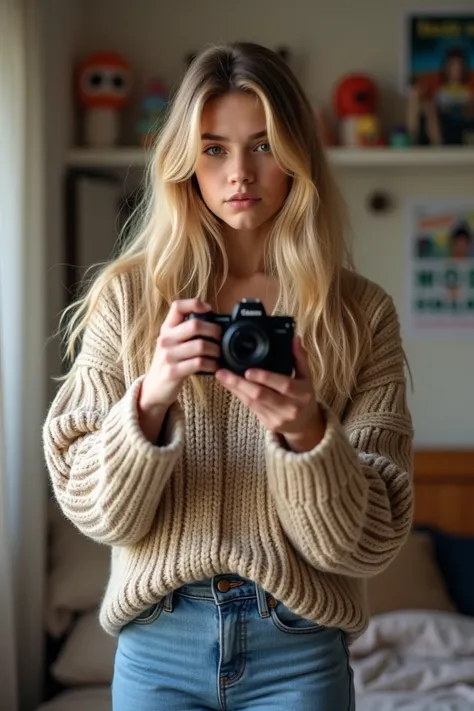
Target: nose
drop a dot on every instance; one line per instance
(241, 169)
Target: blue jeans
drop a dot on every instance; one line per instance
(225, 645)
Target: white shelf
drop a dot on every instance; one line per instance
(120, 157)
(445, 157)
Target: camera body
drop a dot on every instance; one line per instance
(251, 339)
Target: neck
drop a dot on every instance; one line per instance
(245, 252)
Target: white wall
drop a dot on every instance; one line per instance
(327, 37)
(443, 394)
(327, 40)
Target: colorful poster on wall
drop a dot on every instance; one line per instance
(440, 248)
(439, 65)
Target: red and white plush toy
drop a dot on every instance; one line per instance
(356, 103)
(104, 82)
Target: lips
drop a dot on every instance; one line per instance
(241, 196)
(242, 201)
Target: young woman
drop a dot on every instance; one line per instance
(244, 511)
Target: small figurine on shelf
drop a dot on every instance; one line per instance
(153, 112)
(356, 103)
(421, 117)
(368, 130)
(400, 138)
(104, 82)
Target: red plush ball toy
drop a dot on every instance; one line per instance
(355, 95)
(355, 101)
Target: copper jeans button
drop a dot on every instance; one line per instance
(223, 586)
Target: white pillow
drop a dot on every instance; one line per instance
(77, 575)
(87, 656)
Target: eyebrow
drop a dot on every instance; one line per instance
(216, 137)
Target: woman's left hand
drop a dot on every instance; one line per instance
(284, 405)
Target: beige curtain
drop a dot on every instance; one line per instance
(9, 225)
(8, 672)
(22, 476)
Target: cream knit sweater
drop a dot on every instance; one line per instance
(221, 495)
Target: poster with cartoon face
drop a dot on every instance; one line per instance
(440, 268)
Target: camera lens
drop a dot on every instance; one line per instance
(244, 345)
(247, 346)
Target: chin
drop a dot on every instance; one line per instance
(244, 224)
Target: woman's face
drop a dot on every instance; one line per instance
(238, 177)
(455, 70)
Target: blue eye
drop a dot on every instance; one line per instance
(214, 151)
(263, 148)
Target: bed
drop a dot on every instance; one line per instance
(417, 654)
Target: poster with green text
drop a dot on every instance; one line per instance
(440, 255)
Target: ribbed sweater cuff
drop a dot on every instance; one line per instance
(130, 476)
(318, 475)
(135, 466)
(127, 450)
(116, 476)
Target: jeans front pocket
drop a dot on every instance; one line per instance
(150, 614)
(289, 622)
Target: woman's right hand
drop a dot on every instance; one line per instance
(180, 351)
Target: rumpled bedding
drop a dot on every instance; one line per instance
(415, 661)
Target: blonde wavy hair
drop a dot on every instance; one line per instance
(177, 241)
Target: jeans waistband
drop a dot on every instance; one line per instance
(222, 589)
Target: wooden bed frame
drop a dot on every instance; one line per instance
(444, 489)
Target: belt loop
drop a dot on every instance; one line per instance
(168, 603)
(262, 602)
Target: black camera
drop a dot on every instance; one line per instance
(251, 339)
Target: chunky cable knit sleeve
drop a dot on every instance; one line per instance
(107, 477)
(347, 505)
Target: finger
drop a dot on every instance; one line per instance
(282, 384)
(192, 328)
(181, 308)
(250, 392)
(302, 369)
(185, 368)
(192, 349)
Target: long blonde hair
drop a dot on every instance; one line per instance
(178, 243)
